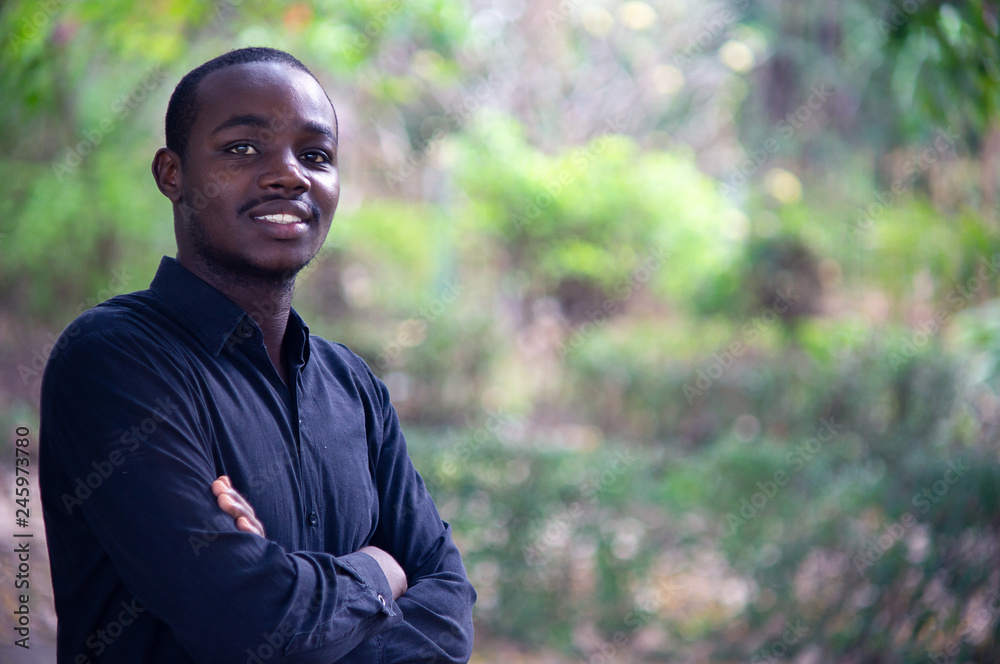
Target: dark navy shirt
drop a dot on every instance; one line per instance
(146, 400)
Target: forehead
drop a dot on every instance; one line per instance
(282, 94)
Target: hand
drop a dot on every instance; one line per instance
(394, 574)
(235, 505)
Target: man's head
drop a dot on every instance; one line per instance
(183, 106)
(250, 166)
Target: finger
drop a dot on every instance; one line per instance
(223, 483)
(236, 506)
(249, 525)
(228, 505)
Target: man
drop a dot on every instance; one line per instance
(218, 485)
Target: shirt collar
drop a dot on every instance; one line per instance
(212, 316)
(297, 338)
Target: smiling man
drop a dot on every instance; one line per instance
(218, 485)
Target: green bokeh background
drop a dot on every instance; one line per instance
(688, 308)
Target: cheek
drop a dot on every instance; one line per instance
(334, 186)
(209, 188)
(330, 195)
(198, 197)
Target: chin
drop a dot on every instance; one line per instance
(272, 269)
(277, 270)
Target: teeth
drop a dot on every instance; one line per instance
(281, 218)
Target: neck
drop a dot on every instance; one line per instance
(266, 299)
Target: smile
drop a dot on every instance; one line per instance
(280, 218)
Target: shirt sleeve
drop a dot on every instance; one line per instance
(123, 405)
(437, 607)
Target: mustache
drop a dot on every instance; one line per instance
(254, 202)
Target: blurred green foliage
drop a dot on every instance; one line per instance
(594, 214)
(620, 263)
(860, 503)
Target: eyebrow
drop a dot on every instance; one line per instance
(243, 121)
(322, 129)
(260, 122)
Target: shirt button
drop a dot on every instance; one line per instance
(381, 599)
(313, 518)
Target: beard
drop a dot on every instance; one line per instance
(235, 266)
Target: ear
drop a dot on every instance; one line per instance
(167, 173)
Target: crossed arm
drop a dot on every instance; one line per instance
(360, 607)
(235, 505)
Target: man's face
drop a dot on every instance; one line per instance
(259, 183)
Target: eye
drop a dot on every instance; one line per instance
(242, 148)
(316, 157)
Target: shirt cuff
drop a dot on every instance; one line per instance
(369, 573)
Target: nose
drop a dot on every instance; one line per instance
(284, 172)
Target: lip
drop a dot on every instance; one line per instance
(276, 229)
(281, 206)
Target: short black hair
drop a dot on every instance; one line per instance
(183, 106)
